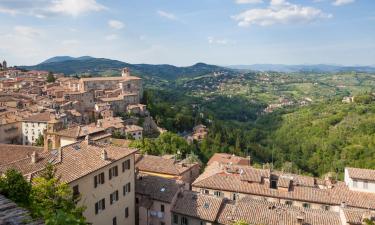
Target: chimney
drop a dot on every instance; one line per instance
(87, 139)
(34, 157)
(104, 154)
(300, 220)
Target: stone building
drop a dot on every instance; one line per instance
(103, 176)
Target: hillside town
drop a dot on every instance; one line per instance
(74, 123)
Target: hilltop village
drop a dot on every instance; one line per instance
(82, 126)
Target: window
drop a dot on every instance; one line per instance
(100, 206)
(288, 202)
(113, 172)
(184, 221)
(126, 212)
(75, 191)
(175, 219)
(98, 179)
(113, 197)
(203, 223)
(114, 221)
(162, 223)
(162, 208)
(126, 189)
(136, 200)
(126, 165)
(306, 205)
(205, 191)
(355, 183)
(218, 193)
(365, 184)
(274, 184)
(325, 207)
(234, 196)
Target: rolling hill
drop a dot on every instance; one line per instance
(101, 66)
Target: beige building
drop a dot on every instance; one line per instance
(102, 174)
(10, 131)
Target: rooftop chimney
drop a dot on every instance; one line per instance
(104, 155)
(34, 157)
(87, 139)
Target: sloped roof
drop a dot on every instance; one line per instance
(157, 188)
(362, 174)
(197, 205)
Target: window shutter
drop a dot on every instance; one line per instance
(123, 190)
(129, 187)
(110, 173)
(103, 201)
(96, 208)
(116, 171)
(102, 175)
(111, 199)
(123, 166)
(95, 181)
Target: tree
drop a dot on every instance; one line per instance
(240, 222)
(53, 200)
(39, 141)
(14, 186)
(51, 78)
(369, 222)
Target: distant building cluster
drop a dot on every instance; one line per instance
(3, 66)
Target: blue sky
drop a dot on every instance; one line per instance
(183, 32)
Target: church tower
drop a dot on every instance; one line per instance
(125, 72)
(4, 65)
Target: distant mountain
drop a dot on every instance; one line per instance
(65, 58)
(318, 68)
(99, 66)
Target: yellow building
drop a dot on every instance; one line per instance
(102, 174)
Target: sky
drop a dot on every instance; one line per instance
(184, 32)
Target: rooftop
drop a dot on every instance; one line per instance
(361, 174)
(158, 164)
(72, 161)
(10, 153)
(248, 180)
(157, 188)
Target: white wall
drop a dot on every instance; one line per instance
(359, 184)
(31, 132)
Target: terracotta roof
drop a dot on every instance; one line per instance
(225, 158)
(355, 216)
(72, 161)
(302, 188)
(10, 153)
(268, 213)
(157, 188)
(40, 117)
(110, 78)
(80, 131)
(362, 174)
(158, 164)
(197, 205)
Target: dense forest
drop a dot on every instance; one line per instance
(315, 139)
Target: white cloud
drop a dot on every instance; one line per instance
(342, 2)
(111, 37)
(115, 24)
(248, 1)
(44, 8)
(279, 12)
(167, 15)
(27, 32)
(74, 7)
